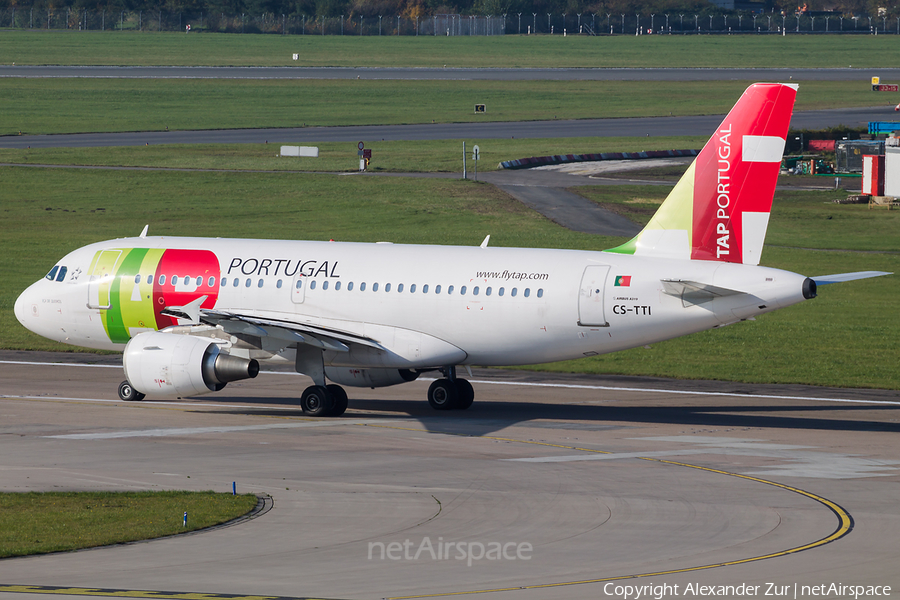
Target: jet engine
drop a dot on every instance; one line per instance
(169, 364)
(371, 378)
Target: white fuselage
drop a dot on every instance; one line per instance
(430, 305)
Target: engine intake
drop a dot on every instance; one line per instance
(167, 364)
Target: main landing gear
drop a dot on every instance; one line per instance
(324, 400)
(450, 393)
(318, 400)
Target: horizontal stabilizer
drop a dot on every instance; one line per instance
(694, 292)
(842, 277)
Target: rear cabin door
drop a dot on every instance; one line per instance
(591, 310)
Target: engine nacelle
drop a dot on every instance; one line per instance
(169, 364)
(371, 378)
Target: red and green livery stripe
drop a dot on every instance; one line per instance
(128, 287)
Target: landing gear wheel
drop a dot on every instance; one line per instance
(315, 401)
(443, 395)
(465, 393)
(128, 393)
(339, 397)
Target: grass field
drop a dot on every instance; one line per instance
(846, 337)
(37, 523)
(114, 48)
(397, 157)
(35, 106)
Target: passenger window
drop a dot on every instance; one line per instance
(399, 288)
(224, 282)
(437, 289)
(374, 287)
(278, 284)
(199, 281)
(541, 293)
(162, 280)
(412, 289)
(325, 285)
(500, 292)
(235, 283)
(52, 274)
(425, 289)
(137, 278)
(362, 286)
(462, 291)
(174, 279)
(514, 292)
(450, 289)
(150, 280)
(527, 292)
(312, 284)
(337, 285)
(487, 292)
(259, 283)
(475, 290)
(210, 282)
(350, 287)
(387, 287)
(247, 282)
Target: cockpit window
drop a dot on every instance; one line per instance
(62, 274)
(52, 274)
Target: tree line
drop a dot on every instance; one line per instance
(413, 9)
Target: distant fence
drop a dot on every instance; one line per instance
(446, 24)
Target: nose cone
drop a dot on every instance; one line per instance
(21, 302)
(27, 309)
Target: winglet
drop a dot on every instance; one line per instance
(190, 311)
(144, 231)
(487, 238)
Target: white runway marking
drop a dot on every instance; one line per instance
(110, 435)
(572, 386)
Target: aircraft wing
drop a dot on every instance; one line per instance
(311, 335)
(842, 277)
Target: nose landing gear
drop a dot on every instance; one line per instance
(128, 393)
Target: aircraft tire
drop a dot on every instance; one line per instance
(443, 395)
(339, 398)
(465, 394)
(316, 401)
(128, 393)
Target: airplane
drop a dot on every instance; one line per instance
(193, 314)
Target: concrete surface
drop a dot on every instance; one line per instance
(604, 477)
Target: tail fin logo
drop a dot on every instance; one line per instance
(719, 210)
